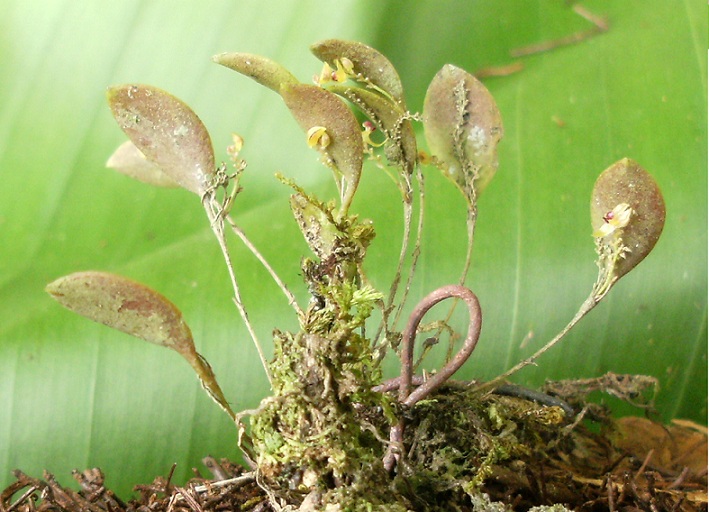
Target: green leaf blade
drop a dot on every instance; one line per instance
(463, 126)
(261, 69)
(625, 182)
(367, 62)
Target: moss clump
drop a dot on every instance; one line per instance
(458, 439)
(320, 433)
(332, 437)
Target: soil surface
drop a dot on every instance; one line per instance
(647, 467)
(590, 464)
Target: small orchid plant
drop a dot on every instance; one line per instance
(330, 414)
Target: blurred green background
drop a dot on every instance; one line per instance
(74, 394)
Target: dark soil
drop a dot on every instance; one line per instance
(631, 464)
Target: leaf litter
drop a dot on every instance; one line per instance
(585, 460)
(469, 446)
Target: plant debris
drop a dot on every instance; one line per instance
(320, 441)
(514, 453)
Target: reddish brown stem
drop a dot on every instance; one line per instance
(407, 397)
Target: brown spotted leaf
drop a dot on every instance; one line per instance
(128, 160)
(315, 222)
(367, 62)
(313, 107)
(167, 132)
(627, 187)
(137, 310)
(463, 126)
(265, 71)
(125, 305)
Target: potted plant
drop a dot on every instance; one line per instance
(333, 434)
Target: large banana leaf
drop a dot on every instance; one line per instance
(76, 394)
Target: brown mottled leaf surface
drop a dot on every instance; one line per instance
(638, 90)
(125, 305)
(167, 132)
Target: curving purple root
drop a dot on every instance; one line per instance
(407, 397)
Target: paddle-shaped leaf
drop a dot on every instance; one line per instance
(167, 132)
(462, 125)
(627, 211)
(265, 71)
(368, 65)
(627, 215)
(135, 309)
(128, 160)
(125, 305)
(318, 111)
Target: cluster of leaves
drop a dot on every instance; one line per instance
(326, 378)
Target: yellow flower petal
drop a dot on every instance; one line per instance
(617, 218)
(235, 148)
(317, 136)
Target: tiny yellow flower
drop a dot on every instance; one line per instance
(617, 218)
(325, 75)
(346, 65)
(317, 136)
(369, 128)
(345, 69)
(235, 148)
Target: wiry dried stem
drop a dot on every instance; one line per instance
(415, 253)
(289, 295)
(612, 252)
(600, 25)
(388, 324)
(472, 218)
(216, 221)
(587, 306)
(407, 199)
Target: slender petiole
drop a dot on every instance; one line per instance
(216, 221)
(289, 295)
(407, 199)
(417, 246)
(586, 307)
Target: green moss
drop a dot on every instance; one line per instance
(457, 439)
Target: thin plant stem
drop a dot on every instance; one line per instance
(608, 257)
(216, 222)
(585, 308)
(600, 25)
(494, 71)
(236, 481)
(417, 246)
(407, 194)
(471, 222)
(407, 198)
(289, 295)
(209, 382)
